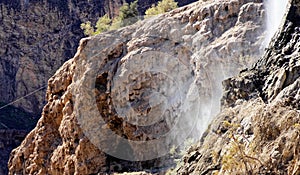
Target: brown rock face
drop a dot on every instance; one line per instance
(257, 131)
(134, 93)
(36, 38)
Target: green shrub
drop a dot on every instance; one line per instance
(162, 7)
(128, 14)
(103, 24)
(87, 28)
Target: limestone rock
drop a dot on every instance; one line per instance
(36, 39)
(113, 93)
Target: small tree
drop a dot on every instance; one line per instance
(87, 28)
(162, 7)
(103, 24)
(128, 14)
(116, 23)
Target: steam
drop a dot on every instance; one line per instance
(275, 10)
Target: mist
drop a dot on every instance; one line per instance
(221, 70)
(275, 10)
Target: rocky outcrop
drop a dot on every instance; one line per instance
(128, 95)
(36, 38)
(257, 131)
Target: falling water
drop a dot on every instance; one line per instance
(275, 10)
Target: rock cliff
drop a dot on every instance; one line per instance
(36, 38)
(257, 131)
(129, 95)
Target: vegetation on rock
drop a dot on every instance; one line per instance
(257, 131)
(128, 14)
(162, 7)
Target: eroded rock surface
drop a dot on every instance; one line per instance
(257, 131)
(36, 38)
(119, 78)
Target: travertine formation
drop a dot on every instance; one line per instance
(133, 84)
(257, 131)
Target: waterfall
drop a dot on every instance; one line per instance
(275, 10)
